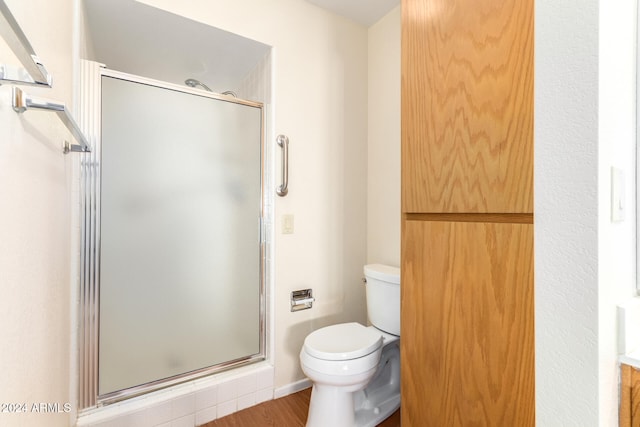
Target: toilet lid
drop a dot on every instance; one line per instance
(344, 341)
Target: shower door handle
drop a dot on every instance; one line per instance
(283, 142)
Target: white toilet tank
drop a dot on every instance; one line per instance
(383, 297)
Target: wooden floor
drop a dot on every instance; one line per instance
(289, 411)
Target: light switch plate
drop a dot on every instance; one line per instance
(287, 224)
(618, 207)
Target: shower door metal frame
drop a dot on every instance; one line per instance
(89, 295)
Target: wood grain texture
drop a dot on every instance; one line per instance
(467, 348)
(467, 106)
(624, 412)
(511, 218)
(288, 411)
(629, 397)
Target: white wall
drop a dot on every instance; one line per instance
(616, 147)
(319, 98)
(566, 212)
(35, 189)
(383, 173)
(584, 108)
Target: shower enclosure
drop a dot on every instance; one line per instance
(173, 259)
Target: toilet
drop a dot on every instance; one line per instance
(355, 369)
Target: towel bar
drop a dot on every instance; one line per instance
(23, 102)
(34, 72)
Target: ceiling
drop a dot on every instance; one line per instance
(365, 12)
(122, 41)
(120, 38)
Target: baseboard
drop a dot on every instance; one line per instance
(291, 388)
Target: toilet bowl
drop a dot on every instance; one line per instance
(355, 369)
(338, 367)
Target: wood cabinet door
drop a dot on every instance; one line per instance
(629, 397)
(467, 331)
(467, 106)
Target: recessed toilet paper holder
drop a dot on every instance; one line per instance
(302, 299)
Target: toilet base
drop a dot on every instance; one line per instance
(356, 405)
(381, 397)
(371, 417)
(330, 406)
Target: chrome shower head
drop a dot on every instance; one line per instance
(194, 83)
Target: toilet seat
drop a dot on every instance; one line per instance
(344, 341)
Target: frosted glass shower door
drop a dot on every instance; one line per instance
(180, 246)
